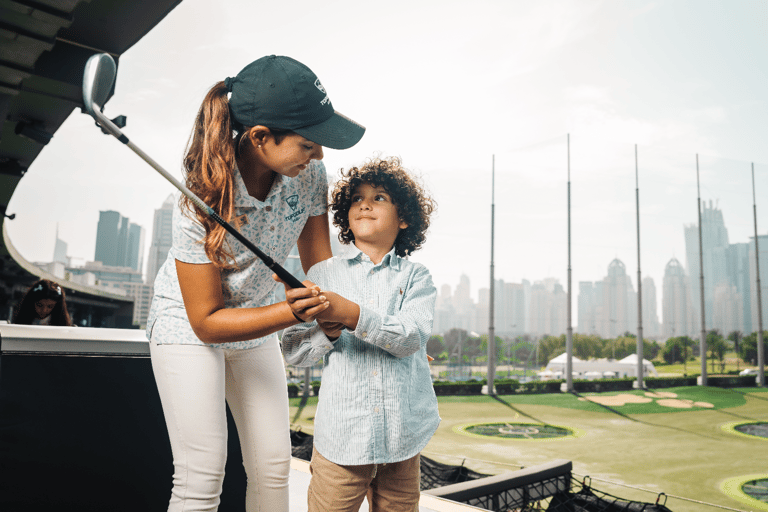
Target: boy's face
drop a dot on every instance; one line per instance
(373, 217)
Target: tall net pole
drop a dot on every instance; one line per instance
(639, 286)
(760, 346)
(491, 328)
(569, 331)
(703, 335)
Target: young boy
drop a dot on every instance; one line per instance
(377, 407)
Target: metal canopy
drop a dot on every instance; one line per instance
(44, 45)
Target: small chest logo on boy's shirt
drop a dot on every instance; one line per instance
(293, 202)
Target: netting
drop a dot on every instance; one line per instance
(560, 493)
(581, 497)
(433, 473)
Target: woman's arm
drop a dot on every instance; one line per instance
(314, 243)
(213, 323)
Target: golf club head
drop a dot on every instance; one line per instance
(98, 79)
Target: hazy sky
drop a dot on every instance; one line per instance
(445, 85)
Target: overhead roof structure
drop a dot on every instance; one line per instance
(44, 45)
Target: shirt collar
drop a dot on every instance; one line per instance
(352, 253)
(243, 199)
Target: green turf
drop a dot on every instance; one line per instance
(682, 452)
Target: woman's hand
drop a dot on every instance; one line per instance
(305, 303)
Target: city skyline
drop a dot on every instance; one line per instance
(511, 79)
(607, 307)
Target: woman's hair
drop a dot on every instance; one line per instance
(413, 204)
(209, 166)
(43, 289)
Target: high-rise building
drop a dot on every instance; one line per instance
(738, 265)
(547, 309)
(651, 326)
(162, 238)
(587, 321)
(119, 243)
(714, 249)
(676, 307)
(762, 245)
(619, 304)
(509, 309)
(60, 250)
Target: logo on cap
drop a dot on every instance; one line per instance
(322, 90)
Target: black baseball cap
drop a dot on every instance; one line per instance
(281, 92)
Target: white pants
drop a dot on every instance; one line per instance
(193, 382)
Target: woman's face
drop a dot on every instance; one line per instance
(291, 156)
(43, 307)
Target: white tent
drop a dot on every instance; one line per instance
(627, 367)
(648, 367)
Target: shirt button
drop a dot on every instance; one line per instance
(365, 334)
(371, 272)
(375, 372)
(268, 208)
(387, 346)
(271, 228)
(375, 409)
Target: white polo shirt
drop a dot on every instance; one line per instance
(272, 225)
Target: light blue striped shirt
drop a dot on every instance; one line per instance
(377, 404)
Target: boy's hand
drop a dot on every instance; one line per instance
(305, 303)
(331, 329)
(341, 310)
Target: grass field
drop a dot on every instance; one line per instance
(633, 451)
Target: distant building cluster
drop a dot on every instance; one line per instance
(118, 260)
(609, 307)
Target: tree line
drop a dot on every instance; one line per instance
(458, 345)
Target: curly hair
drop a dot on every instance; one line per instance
(43, 289)
(414, 206)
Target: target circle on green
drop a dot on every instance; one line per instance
(751, 490)
(518, 430)
(757, 430)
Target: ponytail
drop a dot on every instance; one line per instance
(209, 167)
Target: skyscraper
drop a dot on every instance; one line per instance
(714, 244)
(118, 241)
(762, 244)
(738, 264)
(651, 327)
(60, 249)
(676, 307)
(619, 311)
(162, 238)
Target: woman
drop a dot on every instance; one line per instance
(254, 157)
(44, 304)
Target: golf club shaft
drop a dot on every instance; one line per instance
(275, 267)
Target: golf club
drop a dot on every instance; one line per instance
(98, 79)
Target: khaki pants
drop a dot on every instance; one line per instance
(390, 487)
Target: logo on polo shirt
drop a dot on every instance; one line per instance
(293, 202)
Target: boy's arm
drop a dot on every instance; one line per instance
(305, 344)
(401, 334)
